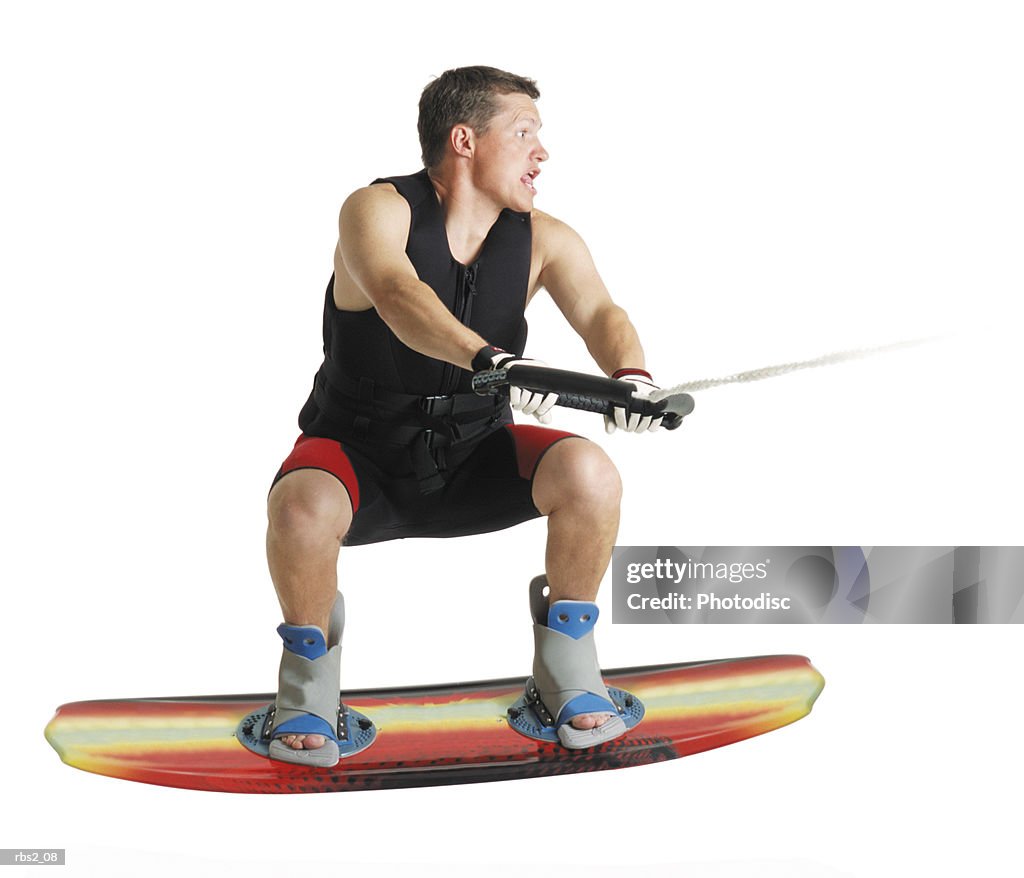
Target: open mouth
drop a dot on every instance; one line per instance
(528, 179)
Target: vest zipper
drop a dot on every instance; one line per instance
(469, 294)
(464, 295)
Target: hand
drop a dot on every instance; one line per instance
(634, 422)
(526, 401)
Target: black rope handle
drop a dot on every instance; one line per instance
(589, 393)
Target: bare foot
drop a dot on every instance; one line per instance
(303, 742)
(589, 720)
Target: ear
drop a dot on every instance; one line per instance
(462, 139)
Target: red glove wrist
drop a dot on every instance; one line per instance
(625, 373)
(484, 358)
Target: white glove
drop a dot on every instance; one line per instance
(634, 422)
(526, 401)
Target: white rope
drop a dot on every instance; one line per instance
(785, 368)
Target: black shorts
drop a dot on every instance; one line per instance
(488, 484)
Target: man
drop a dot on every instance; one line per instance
(432, 273)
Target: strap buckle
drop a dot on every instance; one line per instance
(438, 405)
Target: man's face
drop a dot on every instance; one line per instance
(509, 154)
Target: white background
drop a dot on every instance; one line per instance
(758, 182)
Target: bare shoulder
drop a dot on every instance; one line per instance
(373, 228)
(558, 248)
(551, 233)
(379, 203)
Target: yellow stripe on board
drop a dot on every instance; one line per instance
(465, 714)
(721, 687)
(79, 724)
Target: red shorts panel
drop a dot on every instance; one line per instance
(488, 484)
(532, 442)
(312, 452)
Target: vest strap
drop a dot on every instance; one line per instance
(426, 425)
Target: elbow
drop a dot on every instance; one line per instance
(610, 322)
(387, 301)
(399, 307)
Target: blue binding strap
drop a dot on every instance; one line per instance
(305, 640)
(573, 618)
(306, 725)
(586, 703)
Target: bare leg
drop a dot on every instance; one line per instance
(578, 488)
(308, 513)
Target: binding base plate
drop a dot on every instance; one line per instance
(531, 718)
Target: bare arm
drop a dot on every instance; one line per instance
(570, 277)
(373, 228)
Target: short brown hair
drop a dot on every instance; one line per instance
(465, 96)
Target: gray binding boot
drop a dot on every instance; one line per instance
(566, 679)
(308, 701)
(309, 681)
(308, 684)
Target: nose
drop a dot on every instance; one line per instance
(540, 154)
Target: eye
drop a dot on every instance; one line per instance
(522, 133)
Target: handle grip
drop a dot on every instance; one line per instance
(591, 393)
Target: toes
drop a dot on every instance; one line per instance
(303, 742)
(590, 720)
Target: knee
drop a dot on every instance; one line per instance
(309, 506)
(581, 474)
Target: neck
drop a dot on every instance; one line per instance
(468, 213)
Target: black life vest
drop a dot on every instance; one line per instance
(371, 387)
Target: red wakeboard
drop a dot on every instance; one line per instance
(432, 735)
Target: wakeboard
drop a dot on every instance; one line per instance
(432, 735)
